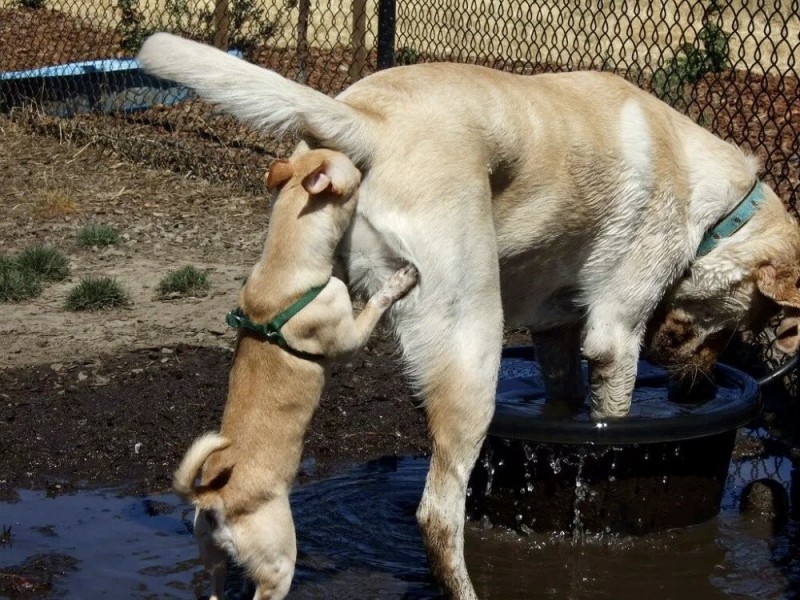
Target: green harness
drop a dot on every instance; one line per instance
(272, 330)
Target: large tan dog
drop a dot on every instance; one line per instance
(571, 203)
(247, 468)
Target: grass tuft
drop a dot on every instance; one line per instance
(188, 281)
(97, 235)
(6, 262)
(97, 293)
(15, 284)
(43, 262)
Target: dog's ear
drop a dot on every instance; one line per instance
(782, 285)
(318, 181)
(280, 171)
(334, 175)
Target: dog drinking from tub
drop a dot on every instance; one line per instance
(574, 204)
(294, 316)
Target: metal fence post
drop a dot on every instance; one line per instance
(386, 17)
(222, 23)
(359, 40)
(304, 9)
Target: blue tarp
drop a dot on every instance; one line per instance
(77, 68)
(104, 85)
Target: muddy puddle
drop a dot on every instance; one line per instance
(357, 538)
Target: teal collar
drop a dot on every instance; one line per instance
(272, 330)
(733, 221)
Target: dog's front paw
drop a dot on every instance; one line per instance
(400, 283)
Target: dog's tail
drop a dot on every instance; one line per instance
(259, 96)
(193, 460)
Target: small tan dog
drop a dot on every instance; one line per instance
(242, 500)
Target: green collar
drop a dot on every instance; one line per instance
(733, 221)
(272, 330)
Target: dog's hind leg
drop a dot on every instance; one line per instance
(452, 337)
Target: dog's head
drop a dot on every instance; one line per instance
(738, 286)
(261, 539)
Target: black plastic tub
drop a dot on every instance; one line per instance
(662, 467)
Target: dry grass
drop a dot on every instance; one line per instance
(54, 203)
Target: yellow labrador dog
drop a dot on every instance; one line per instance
(571, 203)
(294, 316)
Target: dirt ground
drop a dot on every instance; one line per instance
(115, 397)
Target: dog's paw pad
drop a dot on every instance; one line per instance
(403, 280)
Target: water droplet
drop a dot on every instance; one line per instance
(489, 478)
(528, 451)
(612, 478)
(518, 518)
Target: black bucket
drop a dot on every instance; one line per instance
(664, 466)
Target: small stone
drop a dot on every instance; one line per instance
(82, 376)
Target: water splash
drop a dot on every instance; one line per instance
(489, 466)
